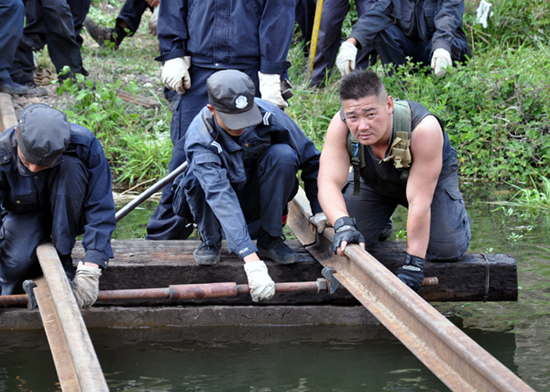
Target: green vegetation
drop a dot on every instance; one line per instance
(495, 108)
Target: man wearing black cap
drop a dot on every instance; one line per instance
(55, 183)
(243, 155)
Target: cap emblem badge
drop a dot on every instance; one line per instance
(241, 102)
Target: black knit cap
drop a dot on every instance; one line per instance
(231, 93)
(43, 134)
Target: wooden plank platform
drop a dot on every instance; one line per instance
(151, 264)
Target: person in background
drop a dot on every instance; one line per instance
(12, 16)
(199, 38)
(127, 22)
(244, 154)
(429, 32)
(421, 175)
(55, 183)
(56, 23)
(330, 38)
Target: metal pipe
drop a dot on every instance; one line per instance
(150, 191)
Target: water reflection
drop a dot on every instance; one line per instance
(240, 359)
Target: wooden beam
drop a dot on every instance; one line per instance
(66, 331)
(7, 114)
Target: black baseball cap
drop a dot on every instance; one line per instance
(43, 134)
(231, 93)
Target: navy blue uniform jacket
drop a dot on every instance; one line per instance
(236, 34)
(22, 193)
(221, 164)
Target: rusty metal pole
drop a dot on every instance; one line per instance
(67, 335)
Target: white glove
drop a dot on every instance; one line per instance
(441, 59)
(261, 285)
(86, 285)
(270, 89)
(320, 221)
(175, 74)
(345, 61)
(153, 22)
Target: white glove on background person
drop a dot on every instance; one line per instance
(441, 59)
(270, 89)
(86, 285)
(175, 74)
(320, 221)
(345, 61)
(261, 285)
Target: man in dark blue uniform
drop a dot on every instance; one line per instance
(55, 182)
(430, 32)
(330, 36)
(438, 226)
(244, 154)
(198, 38)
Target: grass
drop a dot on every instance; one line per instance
(495, 108)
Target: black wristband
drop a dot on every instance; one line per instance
(344, 223)
(414, 261)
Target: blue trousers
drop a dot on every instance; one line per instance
(449, 227)
(164, 224)
(58, 24)
(59, 216)
(271, 184)
(12, 15)
(393, 47)
(330, 38)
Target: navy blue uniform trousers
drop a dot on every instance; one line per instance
(58, 24)
(272, 184)
(12, 15)
(62, 220)
(393, 47)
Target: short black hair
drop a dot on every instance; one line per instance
(360, 84)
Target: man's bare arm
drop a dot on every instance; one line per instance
(427, 153)
(333, 170)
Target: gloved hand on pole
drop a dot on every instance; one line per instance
(320, 221)
(175, 74)
(261, 285)
(345, 231)
(86, 285)
(270, 89)
(345, 61)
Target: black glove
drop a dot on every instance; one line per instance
(345, 230)
(412, 272)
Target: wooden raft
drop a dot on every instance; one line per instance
(152, 264)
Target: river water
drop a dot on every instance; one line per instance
(312, 358)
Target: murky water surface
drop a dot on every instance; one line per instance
(312, 358)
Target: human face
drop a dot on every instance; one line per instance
(369, 119)
(31, 166)
(232, 132)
